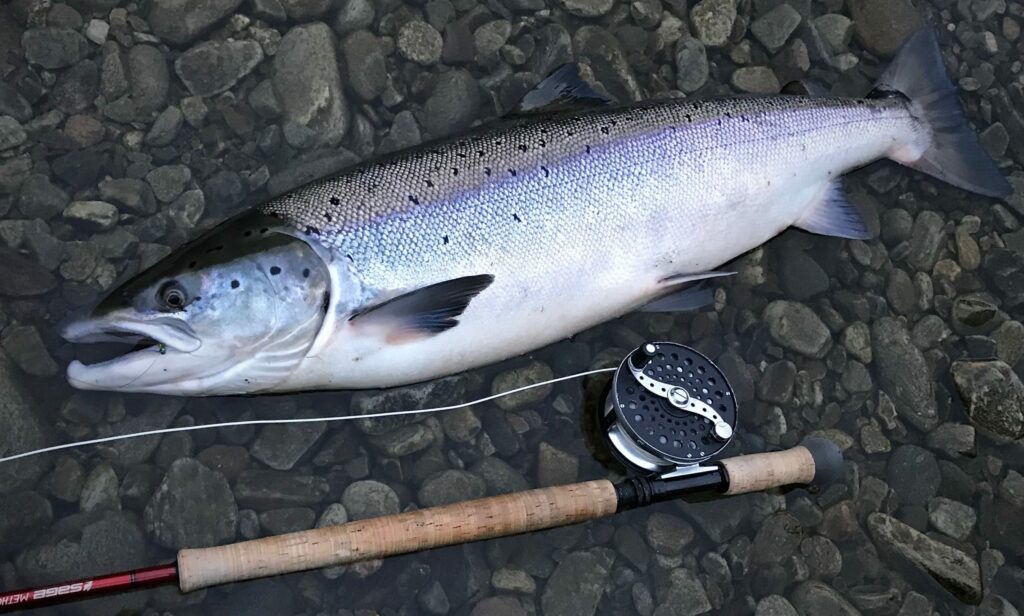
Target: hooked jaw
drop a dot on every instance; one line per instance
(162, 339)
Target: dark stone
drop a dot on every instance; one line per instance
(39, 198)
(213, 67)
(150, 80)
(595, 45)
(23, 517)
(576, 585)
(223, 191)
(913, 474)
(800, 275)
(882, 25)
(77, 87)
(263, 490)
(364, 63)
(12, 103)
(307, 82)
(303, 172)
(903, 373)
(182, 21)
(192, 508)
(452, 106)
(954, 570)
(993, 395)
(53, 48)
(306, 10)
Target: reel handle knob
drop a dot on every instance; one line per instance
(816, 461)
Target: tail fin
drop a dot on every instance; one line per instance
(955, 155)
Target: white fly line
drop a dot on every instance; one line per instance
(297, 420)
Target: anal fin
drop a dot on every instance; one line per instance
(683, 296)
(423, 312)
(834, 215)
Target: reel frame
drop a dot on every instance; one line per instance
(669, 410)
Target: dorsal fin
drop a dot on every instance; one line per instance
(805, 87)
(562, 89)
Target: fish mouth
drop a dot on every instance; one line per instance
(151, 340)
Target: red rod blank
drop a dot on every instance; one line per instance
(28, 598)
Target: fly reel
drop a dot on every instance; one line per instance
(669, 409)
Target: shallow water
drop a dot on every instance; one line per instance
(96, 91)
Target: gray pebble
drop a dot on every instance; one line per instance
(24, 345)
(53, 48)
(166, 17)
(95, 215)
(369, 499)
(419, 42)
(364, 61)
(11, 133)
(450, 486)
(353, 15)
(213, 67)
(193, 507)
(691, 64)
(774, 28)
(712, 21)
(913, 474)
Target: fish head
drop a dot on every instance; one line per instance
(234, 311)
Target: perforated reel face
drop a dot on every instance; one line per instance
(673, 404)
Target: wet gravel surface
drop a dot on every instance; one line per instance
(127, 128)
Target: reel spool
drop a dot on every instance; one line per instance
(669, 409)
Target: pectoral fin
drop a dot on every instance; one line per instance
(423, 312)
(683, 297)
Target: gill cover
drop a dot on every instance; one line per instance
(234, 311)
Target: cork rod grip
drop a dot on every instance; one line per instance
(484, 518)
(761, 471)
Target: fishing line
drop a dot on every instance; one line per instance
(298, 420)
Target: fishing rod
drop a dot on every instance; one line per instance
(668, 412)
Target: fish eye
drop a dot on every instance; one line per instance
(172, 296)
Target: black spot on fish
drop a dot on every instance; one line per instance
(326, 303)
(311, 230)
(445, 238)
(545, 170)
(335, 201)
(430, 184)
(728, 115)
(569, 133)
(351, 260)
(480, 153)
(275, 270)
(234, 284)
(689, 118)
(604, 129)
(588, 148)
(543, 143)
(498, 142)
(275, 215)
(512, 172)
(264, 230)
(455, 171)
(247, 234)
(487, 171)
(192, 265)
(414, 200)
(305, 273)
(327, 216)
(516, 217)
(522, 147)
